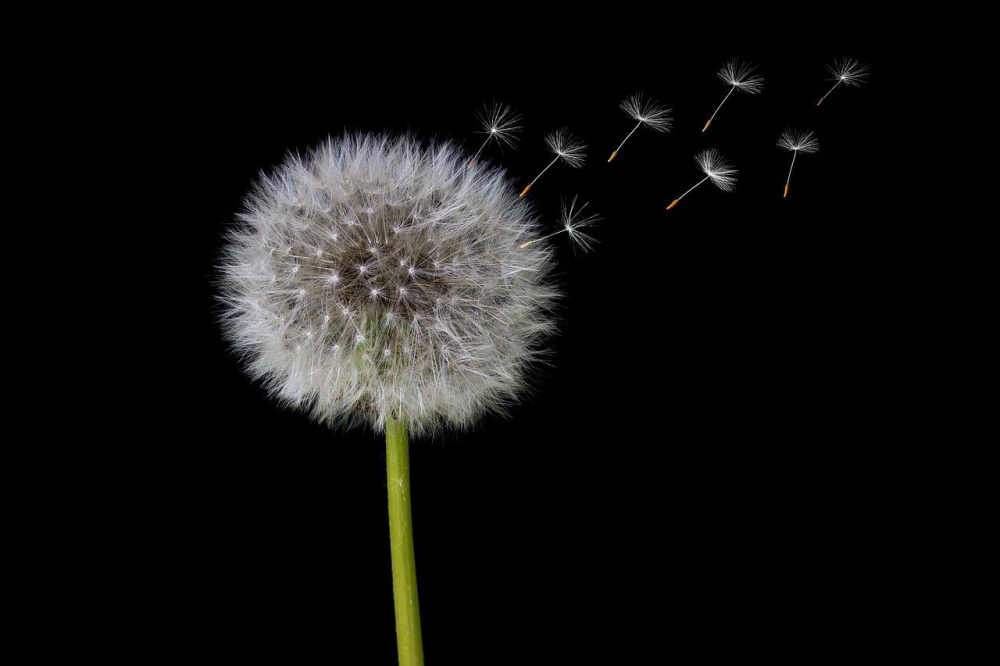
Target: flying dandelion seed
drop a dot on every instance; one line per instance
(654, 116)
(797, 142)
(567, 148)
(740, 76)
(573, 222)
(715, 169)
(500, 124)
(848, 71)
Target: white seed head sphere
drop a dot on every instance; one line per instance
(380, 278)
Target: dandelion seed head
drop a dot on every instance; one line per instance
(848, 71)
(655, 116)
(741, 75)
(798, 141)
(570, 149)
(351, 336)
(713, 165)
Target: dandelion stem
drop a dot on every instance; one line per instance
(627, 138)
(476, 156)
(525, 191)
(696, 185)
(678, 199)
(795, 154)
(719, 107)
(538, 240)
(545, 169)
(828, 92)
(404, 569)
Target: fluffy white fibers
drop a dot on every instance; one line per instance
(380, 278)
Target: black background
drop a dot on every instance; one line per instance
(692, 474)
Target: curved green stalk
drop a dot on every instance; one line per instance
(404, 568)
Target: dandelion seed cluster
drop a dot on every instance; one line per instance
(848, 71)
(741, 75)
(647, 112)
(379, 278)
(567, 147)
(574, 221)
(500, 123)
(799, 141)
(715, 167)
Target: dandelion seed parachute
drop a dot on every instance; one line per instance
(565, 147)
(716, 169)
(500, 124)
(740, 76)
(649, 113)
(796, 142)
(573, 222)
(849, 72)
(377, 279)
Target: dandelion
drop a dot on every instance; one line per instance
(797, 142)
(573, 221)
(654, 116)
(500, 124)
(565, 147)
(740, 76)
(715, 169)
(848, 71)
(377, 281)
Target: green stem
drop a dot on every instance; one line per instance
(404, 567)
